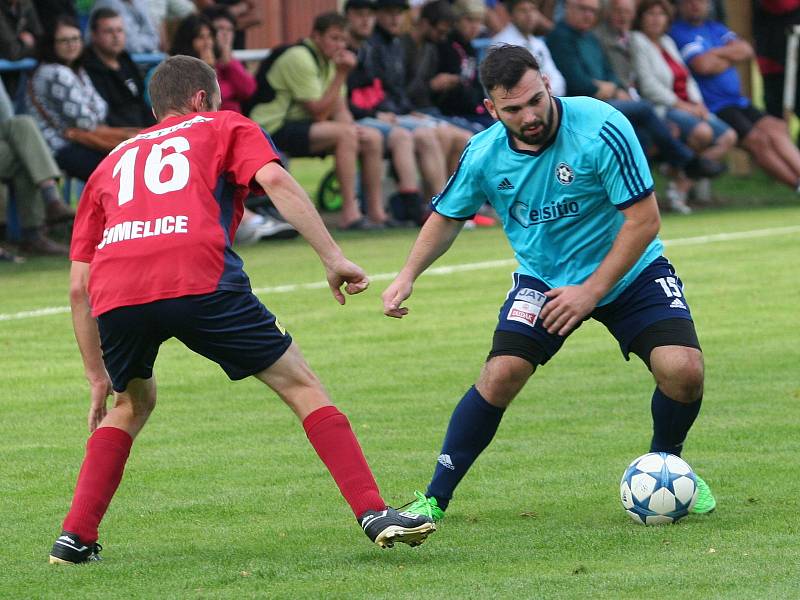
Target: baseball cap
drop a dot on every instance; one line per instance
(469, 8)
(392, 4)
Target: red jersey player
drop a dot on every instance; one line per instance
(152, 260)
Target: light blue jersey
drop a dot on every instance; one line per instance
(560, 206)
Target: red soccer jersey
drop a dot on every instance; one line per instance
(157, 217)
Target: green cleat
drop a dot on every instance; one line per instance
(427, 507)
(706, 502)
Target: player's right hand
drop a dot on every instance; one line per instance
(397, 293)
(100, 390)
(346, 272)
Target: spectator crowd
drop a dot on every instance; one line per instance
(384, 82)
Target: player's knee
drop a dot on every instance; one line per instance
(682, 378)
(502, 378)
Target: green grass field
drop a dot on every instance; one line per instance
(224, 498)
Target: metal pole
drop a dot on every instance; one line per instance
(790, 80)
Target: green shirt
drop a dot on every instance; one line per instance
(297, 77)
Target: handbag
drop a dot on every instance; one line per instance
(102, 138)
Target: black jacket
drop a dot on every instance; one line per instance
(385, 54)
(122, 89)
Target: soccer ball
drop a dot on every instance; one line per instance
(658, 488)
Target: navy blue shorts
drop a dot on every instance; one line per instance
(655, 295)
(233, 329)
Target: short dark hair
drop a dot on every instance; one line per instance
(188, 29)
(176, 80)
(505, 65)
(327, 20)
(437, 11)
(645, 5)
(99, 14)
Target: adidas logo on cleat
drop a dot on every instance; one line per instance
(505, 185)
(677, 304)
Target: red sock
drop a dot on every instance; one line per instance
(106, 453)
(329, 432)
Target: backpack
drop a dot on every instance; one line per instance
(265, 92)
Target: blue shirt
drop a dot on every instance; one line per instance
(723, 89)
(560, 206)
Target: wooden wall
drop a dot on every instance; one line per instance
(284, 21)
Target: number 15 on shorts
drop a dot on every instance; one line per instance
(670, 286)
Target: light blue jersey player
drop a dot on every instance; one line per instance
(570, 182)
(566, 196)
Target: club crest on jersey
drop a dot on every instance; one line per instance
(565, 174)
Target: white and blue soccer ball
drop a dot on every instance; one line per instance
(658, 488)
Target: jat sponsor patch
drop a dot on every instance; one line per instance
(526, 306)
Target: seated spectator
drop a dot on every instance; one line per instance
(244, 11)
(386, 48)
(114, 74)
(236, 83)
(463, 97)
(61, 96)
(664, 80)
(19, 29)
(365, 95)
(712, 50)
(309, 117)
(141, 34)
(579, 56)
(421, 54)
(27, 164)
(526, 20)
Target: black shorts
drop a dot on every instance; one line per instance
(233, 329)
(294, 138)
(655, 296)
(741, 119)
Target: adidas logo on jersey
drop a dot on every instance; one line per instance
(444, 460)
(505, 184)
(677, 304)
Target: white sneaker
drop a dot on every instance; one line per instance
(275, 229)
(677, 201)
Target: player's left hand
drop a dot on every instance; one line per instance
(566, 307)
(345, 272)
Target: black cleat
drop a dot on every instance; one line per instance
(70, 550)
(388, 526)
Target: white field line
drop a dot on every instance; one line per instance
(448, 270)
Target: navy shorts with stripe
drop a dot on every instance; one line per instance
(233, 329)
(655, 295)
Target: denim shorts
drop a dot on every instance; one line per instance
(686, 123)
(408, 122)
